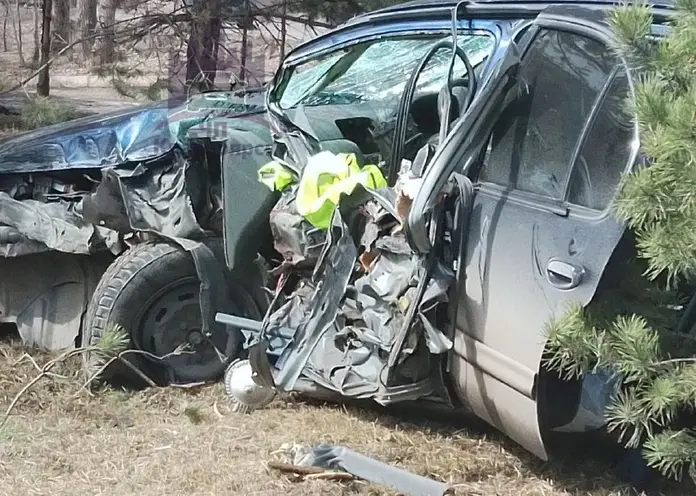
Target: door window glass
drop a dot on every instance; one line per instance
(606, 151)
(533, 141)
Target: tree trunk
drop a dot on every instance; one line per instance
(61, 24)
(4, 25)
(43, 86)
(17, 23)
(283, 29)
(244, 53)
(37, 34)
(107, 18)
(201, 53)
(88, 25)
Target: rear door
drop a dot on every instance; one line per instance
(540, 232)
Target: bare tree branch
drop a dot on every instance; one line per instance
(45, 65)
(44, 371)
(150, 23)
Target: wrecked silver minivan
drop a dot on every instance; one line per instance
(435, 208)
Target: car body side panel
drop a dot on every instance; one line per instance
(247, 203)
(46, 295)
(508, 301)
(509, 295)
(505, 412)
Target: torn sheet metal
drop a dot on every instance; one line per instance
(339, 263)
(339, 325)
(46, 295)
(53, 225)
(151, 198)
(154, 199)
(80, 187)
(13, 243)
(366, 468)
(157, 200)
(145, 177)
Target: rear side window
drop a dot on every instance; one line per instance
(534, 139)
(606, 151)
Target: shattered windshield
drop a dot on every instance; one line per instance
(378, 70)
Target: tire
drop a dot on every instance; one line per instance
(151, 292)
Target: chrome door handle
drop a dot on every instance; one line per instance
(564, 275)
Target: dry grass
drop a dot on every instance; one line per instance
(173, 441)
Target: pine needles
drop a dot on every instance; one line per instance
(43, 112)
(659, 202)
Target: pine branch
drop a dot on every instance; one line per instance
(671, 452)
(630, 326)
(632, 349)
(631, 25)
(624, 416)
(572, 344)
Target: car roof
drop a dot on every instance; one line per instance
(421, 4)
(663, 8)
(415, 10)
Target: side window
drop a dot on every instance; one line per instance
(606, 151)
(533, 141)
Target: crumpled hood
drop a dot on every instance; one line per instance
(125, 136)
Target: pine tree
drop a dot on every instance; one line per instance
(630, 328)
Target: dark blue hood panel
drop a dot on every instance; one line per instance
(129, 136)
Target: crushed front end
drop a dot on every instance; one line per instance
(356, 313)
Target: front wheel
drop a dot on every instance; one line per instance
(151, 293)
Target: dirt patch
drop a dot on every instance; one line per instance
(173, 441)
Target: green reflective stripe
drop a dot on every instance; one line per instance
(325, 179)
(275, 176)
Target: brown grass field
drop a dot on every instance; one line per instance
(60, 440)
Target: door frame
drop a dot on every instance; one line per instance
(462, 148)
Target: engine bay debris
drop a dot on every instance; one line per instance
(356, 313)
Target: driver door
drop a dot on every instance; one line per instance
(540, 231)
